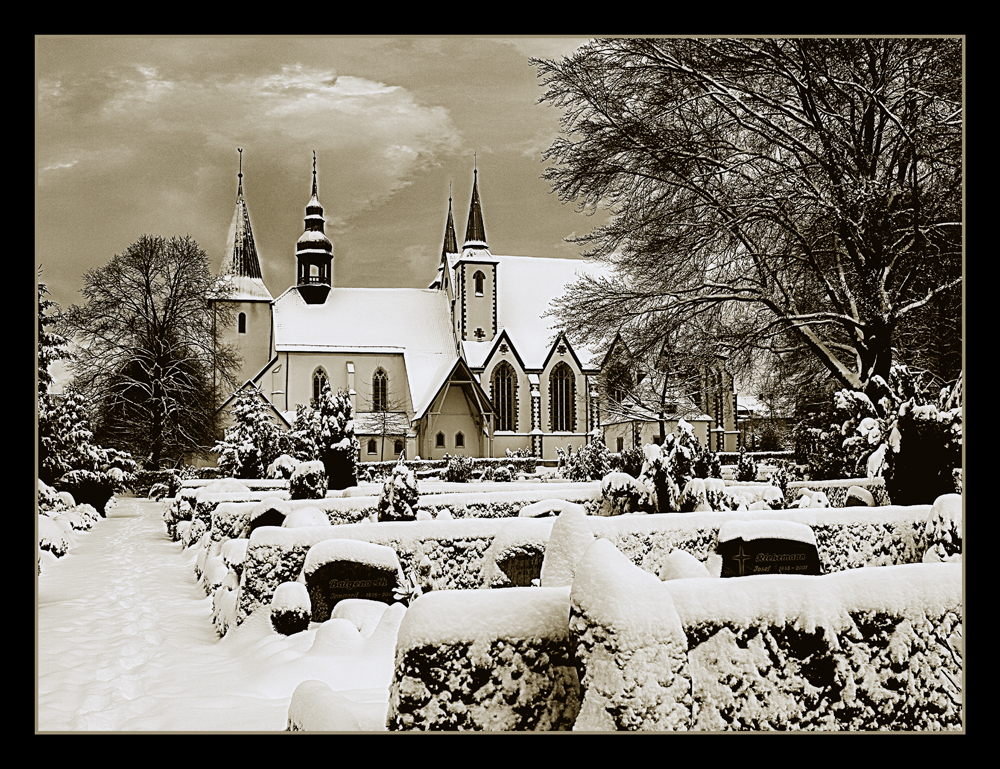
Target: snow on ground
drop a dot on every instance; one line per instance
(125, 642)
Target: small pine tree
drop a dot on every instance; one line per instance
(746, 468)
(398, 500)
(333, 435)
(252, 443)
(458, 470)
(69, 460)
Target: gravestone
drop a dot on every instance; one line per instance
(339, 569)
(767, 547)
(522, 567)
(270, 511)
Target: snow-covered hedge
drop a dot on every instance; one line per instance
(836, 491)
(865, 649)
(438, 554)
(846, 538)
(380, 470)
(494, 660)
(452, 554)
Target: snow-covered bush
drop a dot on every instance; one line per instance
(69, 460)
(909, 436)
(459, 469)
(943, 530)
(398, 500)
(282, 467)
(291, 609)
(591, 463)
(504, 474)
(622, 494)
(51, 537)
(309, 481)
(337, 447)
(628, 461)
(746, 468)
(668, 468)
(252, 443)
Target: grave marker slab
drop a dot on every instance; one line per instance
(336, 570)
(767, 547)
(522, 567)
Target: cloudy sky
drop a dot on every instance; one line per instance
(139, 136)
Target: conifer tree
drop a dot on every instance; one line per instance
(252, 443)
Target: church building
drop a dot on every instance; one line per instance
(470, 365)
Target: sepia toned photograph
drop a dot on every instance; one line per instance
(499, 384)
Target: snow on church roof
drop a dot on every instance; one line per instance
(411, 322)
(526, 288)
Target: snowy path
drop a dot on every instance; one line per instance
(125, 642)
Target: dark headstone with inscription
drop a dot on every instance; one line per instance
(337, 569)
(767, 547)
(523, 566)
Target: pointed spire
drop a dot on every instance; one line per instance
(242, 262)
(315, 193)
(450, 241)
(475, 232)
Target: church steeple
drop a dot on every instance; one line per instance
(242, 264)
(314, 251)
(475, 232)
(450, 241)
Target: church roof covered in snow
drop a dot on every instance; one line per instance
(411, 322)
(526, 288)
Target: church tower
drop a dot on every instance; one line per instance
(476, 278)
(250, 332)
(314, 251)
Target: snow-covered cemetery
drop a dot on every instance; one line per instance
(706, 478)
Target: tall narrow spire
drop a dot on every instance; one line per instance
(450, 241)
(242, 263)
(475, 231)
(315, 193)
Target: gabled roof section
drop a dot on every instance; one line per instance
(526, 289)
(478, 354)
(458, 374)
(241, 264)
(250, 383)
(562, 340)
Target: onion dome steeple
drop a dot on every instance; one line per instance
(314, 251)
(241, 265)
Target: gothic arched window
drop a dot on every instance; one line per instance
(319, 378)
(397, 448)
(562, 393)
(480, 279)
(459, 441)
(439, 441)
(243, 323)
(372, 446)
(504, 388)
(380, 391)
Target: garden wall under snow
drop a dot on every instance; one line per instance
(617, 649)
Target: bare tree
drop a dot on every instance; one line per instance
(798, 198)
(150, 354)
